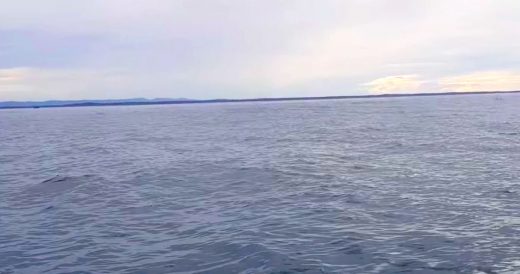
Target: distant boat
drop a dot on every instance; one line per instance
(36, 107)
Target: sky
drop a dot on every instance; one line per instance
(206, 49)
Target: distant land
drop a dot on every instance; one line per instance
(66, 103)
(171, 101)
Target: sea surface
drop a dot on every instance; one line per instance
(388, 185)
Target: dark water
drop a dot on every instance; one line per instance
(405, 185)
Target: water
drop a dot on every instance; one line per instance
(403, 185)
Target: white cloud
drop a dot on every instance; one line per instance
(477, 81)
(106, 83)
(396, 84)
(26, 83)
(482, 81)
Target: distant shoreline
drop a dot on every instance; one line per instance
(91, 103)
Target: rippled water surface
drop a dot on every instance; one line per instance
(403, 185)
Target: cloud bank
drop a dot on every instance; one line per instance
(58, 49)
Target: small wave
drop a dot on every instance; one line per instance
(60, 183)
(48, 190)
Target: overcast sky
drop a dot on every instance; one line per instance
(65, 49)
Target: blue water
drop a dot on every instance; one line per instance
(396, 185)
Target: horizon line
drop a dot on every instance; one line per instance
(177, 101)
